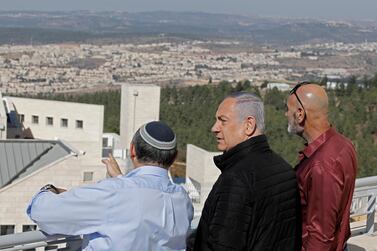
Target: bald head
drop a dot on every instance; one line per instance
(311, 116)
(314, 99)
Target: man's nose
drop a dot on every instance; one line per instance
(215, 128)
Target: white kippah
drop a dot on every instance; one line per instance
(158, 135)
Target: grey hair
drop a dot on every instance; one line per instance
(249, 104)
(147, 154)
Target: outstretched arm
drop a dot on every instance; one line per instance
(78, 211)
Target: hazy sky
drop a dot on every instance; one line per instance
(332, 9)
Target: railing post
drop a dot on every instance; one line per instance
(371, 213)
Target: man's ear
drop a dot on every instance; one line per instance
(251, 126)
(300, 115)
(132, 151)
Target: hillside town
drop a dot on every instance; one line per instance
(79, 67)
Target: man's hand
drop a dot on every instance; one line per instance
(54, 189)
(58, 190)
(112, 166)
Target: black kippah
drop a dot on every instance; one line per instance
(158, 135)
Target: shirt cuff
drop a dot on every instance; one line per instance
(28, 210)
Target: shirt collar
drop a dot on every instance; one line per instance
(311, 148)
(148, 170)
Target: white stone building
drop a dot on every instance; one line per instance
(27, 165)
(201, 174)
(139, 104)
(81, 125)
(45, 142)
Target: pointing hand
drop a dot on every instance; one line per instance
(112, 166)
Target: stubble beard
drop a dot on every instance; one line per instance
(294, 129)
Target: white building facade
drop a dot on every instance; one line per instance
(77, 128)
(139, 104)
(201, 174)
(81, 125)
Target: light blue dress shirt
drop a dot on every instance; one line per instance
(143, 210)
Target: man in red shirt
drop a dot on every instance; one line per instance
(326, 172)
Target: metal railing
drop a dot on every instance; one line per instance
(36, 239)
(364, 202)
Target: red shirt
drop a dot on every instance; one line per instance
(326, 177)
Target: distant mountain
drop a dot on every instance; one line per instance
(50, 27)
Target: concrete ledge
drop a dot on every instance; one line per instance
(363, 243)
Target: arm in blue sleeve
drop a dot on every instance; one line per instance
(81, 210)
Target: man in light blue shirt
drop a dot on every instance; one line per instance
(142, 210)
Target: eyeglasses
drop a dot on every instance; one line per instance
(294, 91)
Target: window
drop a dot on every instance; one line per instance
(27, 228)
(6, 229)
(64, 122)
(79, 124)
(21, 118)
(88, 176)
(49, 121)
(34, 119)
(105, 142)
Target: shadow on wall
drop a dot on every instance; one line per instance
(352, 247)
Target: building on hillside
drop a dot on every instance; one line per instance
(280, 86)
(335, 82)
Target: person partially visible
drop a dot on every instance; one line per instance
(142, 210)
(326, 172)
(254, 204)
